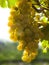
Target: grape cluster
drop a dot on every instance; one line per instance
(24, 29)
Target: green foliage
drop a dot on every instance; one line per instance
(7, 3)
(11, 3)
(44, 3)
(3, 3)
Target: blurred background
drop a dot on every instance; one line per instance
(9, 55)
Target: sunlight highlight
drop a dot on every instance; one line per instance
(4, 14)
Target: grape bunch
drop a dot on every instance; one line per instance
(24, 29)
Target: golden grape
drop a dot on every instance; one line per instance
(24, 29)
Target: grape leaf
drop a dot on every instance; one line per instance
(3, 3)
(11, 3)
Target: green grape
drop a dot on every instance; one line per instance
(45, 50)
(45, 46)
(44, 43)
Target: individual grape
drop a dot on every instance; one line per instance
(20, 46)
(44, 50)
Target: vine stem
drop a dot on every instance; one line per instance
(42, 9)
